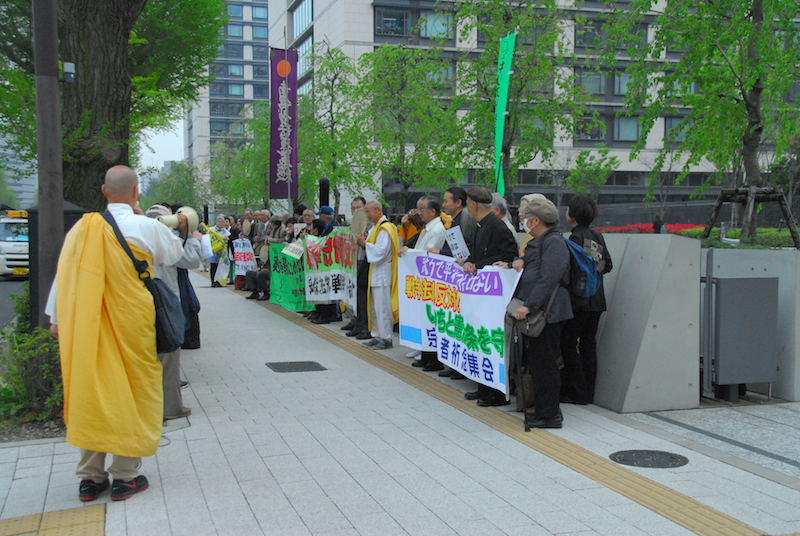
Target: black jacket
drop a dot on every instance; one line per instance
(594, 244)
(546, 267)
(493, 242)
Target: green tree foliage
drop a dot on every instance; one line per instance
(591, 172)
(136, 63)
(413, 119)
(726, 66)
(181, 185)
(785, 172)
(331, 137)
(543, 97)
(240, 166)
(7, 195)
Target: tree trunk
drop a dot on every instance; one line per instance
(96, 107)
(337, 196)
(752, 136)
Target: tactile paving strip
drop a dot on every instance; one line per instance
(82, 521)
(674, 506)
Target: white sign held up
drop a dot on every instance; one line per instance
(455, 239)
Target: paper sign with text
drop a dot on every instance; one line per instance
(455, 239)
(244, 256)
(330, 267)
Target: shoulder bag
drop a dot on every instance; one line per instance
(170, 322)
(533, 324)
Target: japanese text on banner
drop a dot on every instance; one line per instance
(330, 267)
(459, 316)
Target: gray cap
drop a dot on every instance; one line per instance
(543, 208)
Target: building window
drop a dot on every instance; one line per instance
(587, 129)
(260, 91)
(218, 108)
(436, 25)
(304, 51)
(391, 21)
(260, 71)
(592, 82)
(260, 32)
(235, 30)
(237, 129)
(626, 128)
(218, 128)
(671, 126)
(259, 12)
(236, 90)
(588, 35)
(235, 11)
(621, 81)
(302, 17)
(234, 51)
(217, 89)
(218, 69)
(235, 109)
(261, 52)
(235, 69)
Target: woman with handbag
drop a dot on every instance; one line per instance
(542, 288)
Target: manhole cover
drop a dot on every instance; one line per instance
(295, 366)
(649, 458)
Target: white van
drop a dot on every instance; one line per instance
(14, 243)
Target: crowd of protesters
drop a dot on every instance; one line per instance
(560, 364)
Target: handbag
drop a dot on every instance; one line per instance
(533, 324)
(170, 321)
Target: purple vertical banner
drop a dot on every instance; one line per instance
(283, 124)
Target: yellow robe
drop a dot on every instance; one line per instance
(373, 237)
(113, 398)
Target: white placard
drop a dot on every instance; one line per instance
(455, 239)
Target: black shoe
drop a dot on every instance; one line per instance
(262, 297)
(419, 363)
(446, 373)
(553, 422)
(121, 490)
(433, 367)
(493, 400)
(481, 392)
(252, 296)
(564, 399)
(457, 376)
(323, 320)
(89, 490)
(353, 332)
(348, 327)
(364, 335)
(373, 342)
(384, 344)
(184, 385)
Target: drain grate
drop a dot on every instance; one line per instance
(295, 366)
(649, 458)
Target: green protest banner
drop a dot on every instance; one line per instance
(330, 267)
(504, 61)
(287, 283)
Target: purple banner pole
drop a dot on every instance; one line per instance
(283, 124)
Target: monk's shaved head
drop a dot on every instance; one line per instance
(120, 182)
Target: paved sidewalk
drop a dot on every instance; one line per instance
(371, 446)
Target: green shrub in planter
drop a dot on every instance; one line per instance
(31, 370)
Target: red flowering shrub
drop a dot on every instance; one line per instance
(647, 228)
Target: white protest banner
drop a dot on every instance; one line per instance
(295, 250)
(244, 256)
(455, 239)
(462, 315)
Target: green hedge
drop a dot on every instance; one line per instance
(767, 238)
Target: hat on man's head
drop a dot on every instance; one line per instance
(157, 210)
(530, 197)
(480, 195)
(543, 208)
(325, 210)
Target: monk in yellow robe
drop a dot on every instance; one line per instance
(104, 318)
